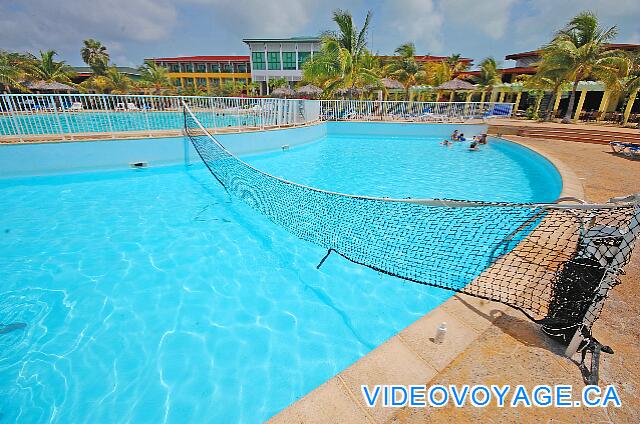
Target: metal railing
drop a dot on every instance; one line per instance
(69, 116)
(52, 117)
(368, 110)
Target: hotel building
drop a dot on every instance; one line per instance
(276, 58)
(206, 72)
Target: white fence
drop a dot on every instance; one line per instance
(332, 110)
(32, 117)
(69, 116)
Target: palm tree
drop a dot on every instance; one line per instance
(343, 60)
(488, 75)
(455, 64)
(437, 73)
(547, 79)
(46, 69)
(155, 76)
(12, 70)
(112, 82)
(404, 67)
(579, 50)
(95, 55)
(120, 83)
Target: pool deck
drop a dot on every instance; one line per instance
(489, 343)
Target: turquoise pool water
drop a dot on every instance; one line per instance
(151, 296)
(417, 167)
(51, 123)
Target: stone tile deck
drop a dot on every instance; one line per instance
(488, 343)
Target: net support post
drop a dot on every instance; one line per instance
(610, 276)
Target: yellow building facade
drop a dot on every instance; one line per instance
(206, 72)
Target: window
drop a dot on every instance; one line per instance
(214, 67)
(302, 57)
(227, 67)
(201, 67)
(258, 60)
(273, 58)
(187, 67)
(177, 82)
(201, 82)
(188, 82)
(175, 67)
(215, 82)
(241, 68)
(288, 60)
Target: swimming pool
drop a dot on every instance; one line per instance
(151, 295)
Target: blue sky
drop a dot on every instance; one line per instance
(135, 29)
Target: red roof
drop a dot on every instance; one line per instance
(429, 58)
(537, 52)
(201, 59)
(517, 70)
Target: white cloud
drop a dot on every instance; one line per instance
(411, 20)
(63, 24)
(490, 17)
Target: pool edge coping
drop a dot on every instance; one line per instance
(410, 356)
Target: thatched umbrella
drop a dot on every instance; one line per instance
(456, 85)
(48, 86)
(391, 84)
(309, 90)
(283, 92)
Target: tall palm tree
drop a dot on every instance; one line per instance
(45, 68)
(12, 70)
(579, 50)
(155, 76)
(95, 55)
(404, 67)
(488, 75)
(343, 60)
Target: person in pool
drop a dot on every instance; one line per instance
(483, 139)
(461, 137)
(446, 143)
(473, 145)
(455, 135)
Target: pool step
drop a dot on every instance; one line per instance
(581, 135)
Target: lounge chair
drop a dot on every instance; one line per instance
(132, 106)
(496, 111)
(76, 106)
(622, 147)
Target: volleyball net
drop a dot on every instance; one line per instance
(554, 262)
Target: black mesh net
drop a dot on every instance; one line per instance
(554, 262)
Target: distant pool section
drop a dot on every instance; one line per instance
(105, 122)
(365, 158)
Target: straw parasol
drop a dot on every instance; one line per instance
(456, 85)
(48, 86)
(283, 92)
(309, 90)
(391, 84)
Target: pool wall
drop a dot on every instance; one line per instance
(78, 156)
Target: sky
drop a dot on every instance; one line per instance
(134, 30)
